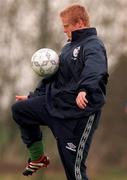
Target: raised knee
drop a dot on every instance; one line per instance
(16, 111)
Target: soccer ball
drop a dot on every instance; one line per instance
(45, 62)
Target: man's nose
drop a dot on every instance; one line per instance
(64, 31)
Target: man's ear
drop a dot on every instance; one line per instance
(80, 24)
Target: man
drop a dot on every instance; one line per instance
(69, 102)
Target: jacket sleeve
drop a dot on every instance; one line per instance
(94, 74)
(39, 90)
(41, 87)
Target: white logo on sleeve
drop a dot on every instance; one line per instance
(71, 146)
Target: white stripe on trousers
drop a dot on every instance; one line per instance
(81, 147)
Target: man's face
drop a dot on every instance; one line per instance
(68, 27)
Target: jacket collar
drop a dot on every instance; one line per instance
(83, 33)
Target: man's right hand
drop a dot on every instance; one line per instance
(81, 100)
(18, 98)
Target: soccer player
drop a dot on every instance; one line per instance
(69, 102)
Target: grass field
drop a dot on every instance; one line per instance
(56, 175)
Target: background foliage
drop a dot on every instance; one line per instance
(26, 26)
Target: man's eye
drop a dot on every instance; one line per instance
(65, 26)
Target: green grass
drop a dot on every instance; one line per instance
(50, 176)
(112, 174)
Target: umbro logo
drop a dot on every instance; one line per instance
(71, 146)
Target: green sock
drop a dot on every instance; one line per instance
(36, 150)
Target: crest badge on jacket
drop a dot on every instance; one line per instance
(76, 52)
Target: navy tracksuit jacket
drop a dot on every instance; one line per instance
(83, 67)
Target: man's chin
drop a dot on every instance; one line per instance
(69, 38)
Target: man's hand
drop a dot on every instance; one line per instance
(18, 98)
(81, 100)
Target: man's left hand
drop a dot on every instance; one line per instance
(19, 98)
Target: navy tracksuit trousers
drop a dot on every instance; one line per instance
(73, 135)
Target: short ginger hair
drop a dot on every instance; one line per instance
(74, 13)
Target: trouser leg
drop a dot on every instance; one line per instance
(68, 158)
(74, 148)
(29, 115)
